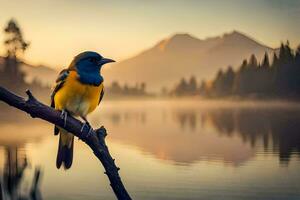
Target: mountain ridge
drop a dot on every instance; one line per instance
(181, 55)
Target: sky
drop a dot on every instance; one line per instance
(58, 30)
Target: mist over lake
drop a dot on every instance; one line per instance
(170, 149)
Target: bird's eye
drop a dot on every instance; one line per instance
(93, 60)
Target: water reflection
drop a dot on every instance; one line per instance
(229, 134)
(15, 164)
(189, 133)
(186, 118)
(128, 117)
(166, 151)
(16, 131)
(277, 129)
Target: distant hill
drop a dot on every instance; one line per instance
(43, 74)
(182, 55)
(19, 76)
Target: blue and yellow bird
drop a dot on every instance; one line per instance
(78, 91)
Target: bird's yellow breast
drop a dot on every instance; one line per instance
(80, 99)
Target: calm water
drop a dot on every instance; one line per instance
(166, 150)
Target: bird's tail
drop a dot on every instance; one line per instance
(65, 150)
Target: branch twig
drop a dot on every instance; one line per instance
(95, 140)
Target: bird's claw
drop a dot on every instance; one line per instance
(89, 133)
(86, 124)
(64, 115)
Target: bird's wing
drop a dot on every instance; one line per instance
(101, 95)
(59, 83)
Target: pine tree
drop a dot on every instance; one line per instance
(12, 77)
(14, 42)
(229, 80)
(264, 76)
(239, 79)
(285, 74)
(275, 62)
(192, 85)
(218, 83)
(181, 88)
(282, 56)
(288, 52)
(251, 78)
(253, 64)
(297, 69)
(266, 62)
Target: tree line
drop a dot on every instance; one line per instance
(116, 89)
(277, 78)
(185, 88)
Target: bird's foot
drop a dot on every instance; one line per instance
(64, 115)
(86, 124)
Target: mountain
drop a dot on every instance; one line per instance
(183, 55)
(43, 74)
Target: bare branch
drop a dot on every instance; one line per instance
(95, 139)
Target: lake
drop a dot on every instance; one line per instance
(166, 149)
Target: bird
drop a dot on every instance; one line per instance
(78, 90)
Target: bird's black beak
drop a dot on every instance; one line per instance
(105, 61)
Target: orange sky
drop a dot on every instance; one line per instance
(58, 30)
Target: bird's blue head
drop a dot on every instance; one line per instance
(88, 66)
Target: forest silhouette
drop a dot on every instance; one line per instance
(279, 78)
